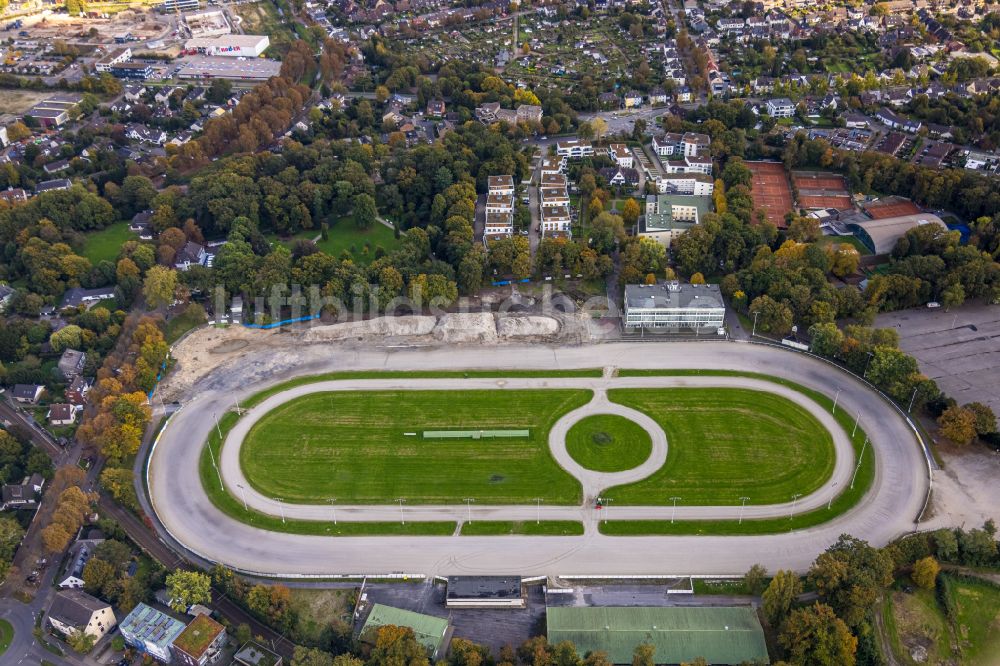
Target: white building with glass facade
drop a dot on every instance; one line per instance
(671, 306)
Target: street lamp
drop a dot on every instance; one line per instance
(830, 502)
(754, 332)
(856, 422)
(835, 399)
(468, 503)
(673, 511)
(538, 510)
(868, 363)
(401, 520)
(743, 506)
(243, 492)
(281, 508)
(795, 498)
(860, 458)
(333, 509)
(912, 398)
(607, 503)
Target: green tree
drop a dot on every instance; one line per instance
(779, 596)
(68, 337)
(303, 656)
(850, 576)
(815, 636)
(365, 210)
(755, 579)
(644, 654)
(11, 534)
(187, 588)
(606, 231)
(97, 574)
(774, 317)
(985, 419)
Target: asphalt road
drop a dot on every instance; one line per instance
(889, 510)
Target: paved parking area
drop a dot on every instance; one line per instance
(960, 349)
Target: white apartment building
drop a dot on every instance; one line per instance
(574, 148)
(698, 184)
(620, 155)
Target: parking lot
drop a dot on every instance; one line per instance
(959, 349)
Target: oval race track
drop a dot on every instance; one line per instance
(192, 522)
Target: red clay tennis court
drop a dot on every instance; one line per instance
(821, 190)
(880, 210)
(770, 190)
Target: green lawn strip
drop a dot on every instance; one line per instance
(183, 323)
(974, 606)
(258, 398)
(526, 528)
(608, 443)
(229, 505)
(366, 447)
(6, 635)
(104, 245)
(842, 503)
(728, 443)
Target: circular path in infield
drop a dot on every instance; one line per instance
(190, 521)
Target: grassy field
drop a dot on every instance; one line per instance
(345, 236)
(191, 317)
(527, 528)
(6, 635)
(353, 446)
(608, 443)
(914, 619)
(726, 444)
(16, 102)
(976, 607)
(316, 608)
(105, 244)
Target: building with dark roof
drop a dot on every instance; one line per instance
(71, 363)
(53, 185)
(75, 611)
(484, 592)
(27, 393)
(674, 306)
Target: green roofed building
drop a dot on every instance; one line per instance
(429, 631)
(680, 634)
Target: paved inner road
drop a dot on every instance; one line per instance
(887, 511)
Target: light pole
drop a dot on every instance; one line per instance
(835, 399)
(868, 363)
(856, 422)
(743, 506)
(673, 511)
(333, 509)
(795, 498)
(860, 458)
(401, 519)
(830, 503)
(281, 508)
(607, 514)
(754, 332)
(243, 491)
(215, 465)
(538, 510)
(468, 503)
(912, 398)
(217, 428)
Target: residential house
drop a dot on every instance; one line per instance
(553, 165)
(620, 176)
(895, 121)
(61, 414)
(134, 92)
(76, 392)
(200, 643)
(71, 363)
(151, 632)
(668, 216)
(75, 611)
(658, 96)
(78, 296)
(145, 134)
(499, 208)
(780, 107)
(633, 98)
(436, 107)
(620, 155)
(27, 393)
(192, 254)
(80, 554)
(21, 495)
(53, 185)
(697, 184)
(855, 121)
(13, 195)
(574, 148)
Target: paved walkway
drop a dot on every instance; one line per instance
(189, 518)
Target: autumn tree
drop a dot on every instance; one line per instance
(630, 212)
(850, 576)
(815, 636)
(779, 596)
(925, 572)
(159, 286)
(958, 424)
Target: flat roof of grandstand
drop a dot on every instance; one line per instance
(680, 634)
(427, 629)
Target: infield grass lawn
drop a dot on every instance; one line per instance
(608, 443)
(6, 635)
(353, 446)
(525, 528)
(728, 443)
